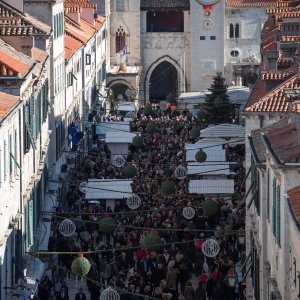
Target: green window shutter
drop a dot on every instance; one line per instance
(103, 67)
(268, 195)
(278, 195)
(10, 156)
(274, 208)
(257, 197)
(4, 159)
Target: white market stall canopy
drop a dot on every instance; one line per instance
(224, 131)
(211, 186)
(214, 151)
(117, 137)
(212, 168)
(105, 127)
(100, 189)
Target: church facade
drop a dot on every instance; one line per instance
(159, 49)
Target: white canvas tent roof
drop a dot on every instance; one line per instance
(224, 131)
(105, 127)
(119, 137)
(211, 186)
(212, 168)
(108, 189)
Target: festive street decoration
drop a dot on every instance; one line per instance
(80, 265)
(152, 241)
(67, 228)
(82, 187)
(189, 212)
(130, 171)
(107, 225)
(210, 207)
(210, 248)
(109, 294)
(163, 105)
(151, 128)
(181, 172)
(119, 161)
(137, 141)
(147, 110)
(130, 115)
(168, 188)
(134, 201)
(201, 156)
(195, 133)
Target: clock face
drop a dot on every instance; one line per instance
(208, 2)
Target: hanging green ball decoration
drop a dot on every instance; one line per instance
(107, 225)
(147, 110)
(201, 156)
(168, 188)
(210, 208)
(130, 171)
(151, 128)
(195, 133)
(152, 241)
(218, 101)
(137, 141)
(80, 265)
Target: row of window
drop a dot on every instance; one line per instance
(59, 80)
(203, 37)
(58, 25)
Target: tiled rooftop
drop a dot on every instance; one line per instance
(170, 4)
(284, 143)
(71, 46)
(7, 103)
(267, 75)
(251, 3)
(12, 62)
(294, 197)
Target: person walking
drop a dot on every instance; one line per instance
(80, 295)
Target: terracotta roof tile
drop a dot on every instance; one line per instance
(7, 102)
(283, 141)
(279, 75)
(38, 54)
(294, 197)
(290, 38)
(71, 46)
(251, 3)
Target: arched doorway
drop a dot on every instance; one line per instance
(163, 83)
(119, 91)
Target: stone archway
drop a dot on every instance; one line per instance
(180, 86)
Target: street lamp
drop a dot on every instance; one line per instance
(231, 278)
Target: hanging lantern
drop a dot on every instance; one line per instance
(241, 236)
(80, 265)
(82, 187)
(210, 248)
(168, 188)
(152, 241)
(118, 161)
(134, 201)
(189, 212)
(107, 225)
(201, 156)
(147, 110)
(195, 133)
(67, 227)
(137, 141)
(210, 208)
(130, 171)
(151, 128)
(163, 105)
(181, 172)
(109, 294)
(231, 276)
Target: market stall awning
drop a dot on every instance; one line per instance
(119, 137)
(211, 186)
(212, 168)
(224, 131)
(101, 189)
(105, 127)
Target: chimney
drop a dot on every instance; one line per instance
(272, 57)
(17, 4)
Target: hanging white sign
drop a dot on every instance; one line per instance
(109, 294)
(119, 161)
(134, 201)
(181, 172)
(82, 187)
(67, 227)
(189, 212)
(210, 248)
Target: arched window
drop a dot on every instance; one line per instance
(237, 31)
(231, 31)
(120, 39)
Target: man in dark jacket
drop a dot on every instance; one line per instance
(80, 295)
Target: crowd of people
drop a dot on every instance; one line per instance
(178, 268)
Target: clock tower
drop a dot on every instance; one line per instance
(207, 41)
